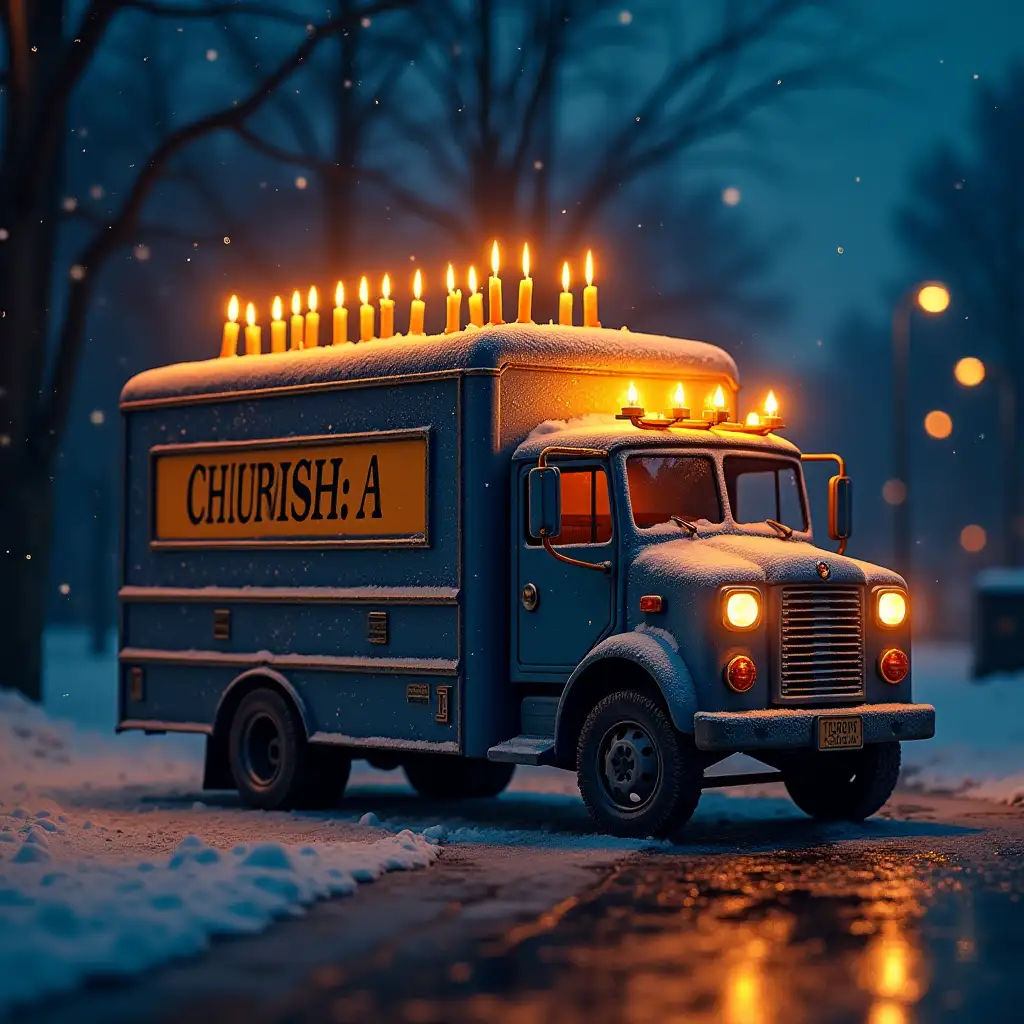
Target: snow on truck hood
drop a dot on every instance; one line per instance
(487, 348)
(742, 558)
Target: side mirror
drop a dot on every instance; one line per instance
(545, 494)
(840, 507)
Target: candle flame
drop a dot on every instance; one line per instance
(385, 287)
(296, 303)
(771, 404)
(339, 294)
(312, 299)
(450, 280)
(364, 291)
(494, 258)
(250, 315)
(753, 420)
(565, 276)
(719, 400)
(590, 268)
(526, 260)
(632, 398)
(679, 398)
(275, 309)
(472, 280)
(233, 308)
(417, 285)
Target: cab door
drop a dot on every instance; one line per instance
(562, 610)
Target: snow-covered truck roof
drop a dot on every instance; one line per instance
(487, 349)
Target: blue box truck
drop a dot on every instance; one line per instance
(461, 553)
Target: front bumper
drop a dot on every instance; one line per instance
(786, 728)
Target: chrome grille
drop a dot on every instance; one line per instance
(822, 642)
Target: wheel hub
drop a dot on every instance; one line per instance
(261, 750)
(630, 766)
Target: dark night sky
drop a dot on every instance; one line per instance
(816, 197)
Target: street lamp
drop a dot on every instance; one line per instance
(931, 297)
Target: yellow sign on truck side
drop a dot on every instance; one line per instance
(355, 489)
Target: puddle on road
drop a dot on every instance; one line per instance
(883, 937)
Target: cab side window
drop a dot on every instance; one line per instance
(586, 508)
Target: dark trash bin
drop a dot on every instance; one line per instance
(998, 621)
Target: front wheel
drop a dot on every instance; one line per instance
(637, 775)
(845, 786)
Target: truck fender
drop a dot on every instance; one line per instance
(249, 680)
(653, 652)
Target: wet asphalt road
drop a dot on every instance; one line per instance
(900, 924)
(915, 917)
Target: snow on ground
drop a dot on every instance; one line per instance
(113, 860)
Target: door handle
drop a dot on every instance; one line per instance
(530, 596)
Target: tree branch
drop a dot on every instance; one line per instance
(118, 232)
(228, 9)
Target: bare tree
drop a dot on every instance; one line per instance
(508, 102)
(45, 308)
(965, 225)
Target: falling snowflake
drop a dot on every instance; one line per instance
(625, 17)
(4, 234)
(839, 249)
(212, 54)
(300, 182)
(70, 204)
(227, 239)
(538, 165)
(366, 22)
(731, 196)
(77, 272)
(141, 252)
(96, 417)
(65, 589)
(5, 440)
(97, 192)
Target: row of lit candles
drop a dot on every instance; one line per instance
(715, 410)
(305, 329)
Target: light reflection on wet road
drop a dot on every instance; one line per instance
(883, 936)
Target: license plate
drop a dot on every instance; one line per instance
(840, 732)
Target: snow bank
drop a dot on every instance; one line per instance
(61, 923)
(40, 755)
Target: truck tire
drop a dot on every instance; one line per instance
(845, 786)
(273, 765)
(441, 777)
(637, 775)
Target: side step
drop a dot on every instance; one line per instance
(524, 750)
(742, 779)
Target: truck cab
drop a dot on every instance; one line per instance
(462, 553)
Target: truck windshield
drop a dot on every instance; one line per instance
(662, 486)
(760, 489)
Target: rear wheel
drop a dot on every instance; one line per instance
(638, 776)
(845, 786)
(273, 766)
(441, 777)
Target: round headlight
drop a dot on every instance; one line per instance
(892, 608)
(742, 609)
